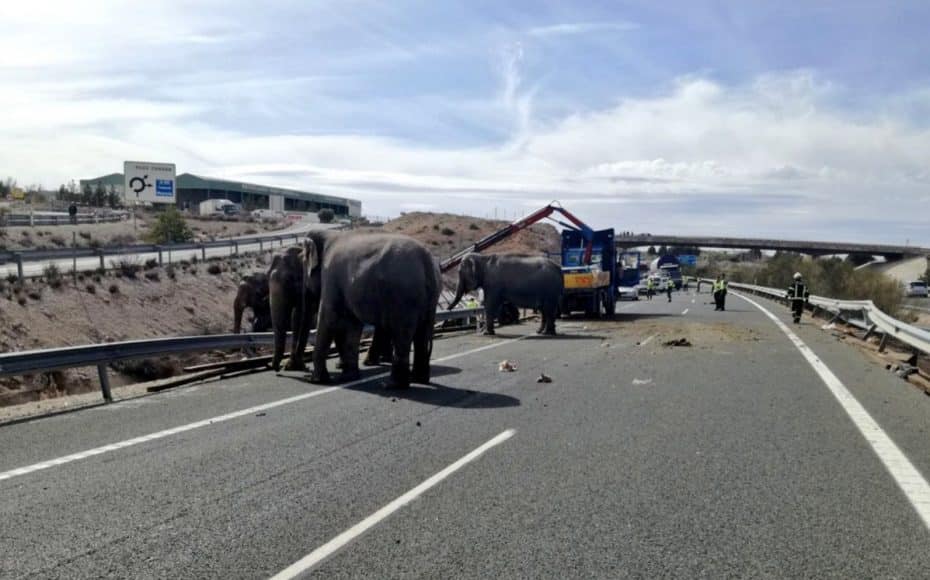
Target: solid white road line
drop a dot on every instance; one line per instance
(648, 340)
(330, 547)
(219, 419)
(908, 478)
(685, 311)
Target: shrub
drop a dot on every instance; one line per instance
(326, 215)
(35, 295)
(447, 232)
(127, 267)
(114, 289)
(122, 240)
(84, 235)
(473, 226)
(193, 270)
(98, 278)
(250, 232)
(58, 241)
(170, 227)
(153, 276)
(214, 269)
(151, 263)
(22, 300)
(91, 289)
(11, 278)
(53, 274)
(25, 233)
(436, 227)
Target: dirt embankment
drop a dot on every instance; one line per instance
(121, 233)
(181, 300)
(445, 234)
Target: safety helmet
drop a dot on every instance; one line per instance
(797, 275)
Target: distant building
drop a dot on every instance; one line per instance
(193, 189)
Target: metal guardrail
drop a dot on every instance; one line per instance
(25, 256)
(872, 319)
(57, 220)
(100, 355)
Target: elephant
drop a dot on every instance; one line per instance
(253, 293)
(386, 280)
(524, 281)
(292, 292)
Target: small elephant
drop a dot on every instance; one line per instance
(523, 281)
(386, 280)
(253, 293)
(292, 301)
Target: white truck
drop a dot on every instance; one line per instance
(213, 207)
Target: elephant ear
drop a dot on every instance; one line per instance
(311, 256)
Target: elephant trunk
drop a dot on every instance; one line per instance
(460, 290)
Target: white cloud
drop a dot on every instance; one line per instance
(572, 28)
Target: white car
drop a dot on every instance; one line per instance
(917, 289)
(629, 292)
(267, 215)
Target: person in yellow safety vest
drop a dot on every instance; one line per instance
(720, 292)
(650, 288)
(471, 303)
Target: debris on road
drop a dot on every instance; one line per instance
(543, 378)
(507, 366)
(642, 381)
(829, 326)
(678, 342)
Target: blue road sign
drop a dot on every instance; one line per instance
(164, 187)
(687, 260)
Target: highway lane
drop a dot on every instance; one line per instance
(726, 458)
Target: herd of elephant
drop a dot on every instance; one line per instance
(337, 282)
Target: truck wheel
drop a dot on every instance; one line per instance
(610, 304)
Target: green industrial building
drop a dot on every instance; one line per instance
(193, 189)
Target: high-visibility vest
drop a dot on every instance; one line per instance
(649, 283)
(798, 291)
(720, 285)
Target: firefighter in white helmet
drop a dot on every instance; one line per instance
(798, 295)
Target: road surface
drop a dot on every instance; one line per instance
(732, 457)
(87, 264)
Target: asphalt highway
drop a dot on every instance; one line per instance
(730, 458)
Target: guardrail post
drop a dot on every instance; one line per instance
(883, 343)
(19, 265)
(169, 254)
(104, 383)
(260, 248)
(235, 248)
(74, 257)
(869, 332)
(203, 252)
(158, 249)
(102, 265)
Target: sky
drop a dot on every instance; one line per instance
(777, 119)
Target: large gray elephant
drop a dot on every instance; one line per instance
(524, 281)
(293, 293)
(252, 293)
(387, 280)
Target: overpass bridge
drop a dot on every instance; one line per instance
(812, 248)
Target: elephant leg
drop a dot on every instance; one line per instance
(400, 367)
(298, 343)
(422, 345)
(349, 340)
(324, 338)
(549, 315)
(378, 349)
(279, 319)
(490, 312)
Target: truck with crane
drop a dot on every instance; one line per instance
(587, 257)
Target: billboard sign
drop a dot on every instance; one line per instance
(151, 182)
(687, 260)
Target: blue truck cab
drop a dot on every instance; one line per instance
(589, 288)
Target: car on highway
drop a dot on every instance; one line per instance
(630, 292)
(916, 289)
(267, 215)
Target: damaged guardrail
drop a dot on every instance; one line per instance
(101, 355)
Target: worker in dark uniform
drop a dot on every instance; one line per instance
(669, 286)
(72, 213)
(798, 295)
(720, 292)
